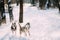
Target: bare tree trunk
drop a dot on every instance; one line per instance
(21, 12)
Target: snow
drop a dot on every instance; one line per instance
(45, 24)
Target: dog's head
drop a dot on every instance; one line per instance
(13, 26)
(13, 23)
(27, 25)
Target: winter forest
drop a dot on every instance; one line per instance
(29, 19)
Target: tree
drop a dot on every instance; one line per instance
(33, 2)
(42, 3)
(55, 3)
(21, 12)
(48, 4)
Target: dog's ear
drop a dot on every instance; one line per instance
(28, 23)
(14, 22)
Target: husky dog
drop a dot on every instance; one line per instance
(13, 27)
(25, 29)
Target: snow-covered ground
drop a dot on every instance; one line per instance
(45, 24)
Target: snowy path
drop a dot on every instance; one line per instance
(45, 24)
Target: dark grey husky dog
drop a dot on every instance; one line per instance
(13, 27)
(25, 29)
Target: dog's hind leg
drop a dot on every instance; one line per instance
(28, 33)
(20, 33)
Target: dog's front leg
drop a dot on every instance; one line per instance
(15, 32)
(25, 33)
(12, 32)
